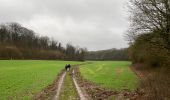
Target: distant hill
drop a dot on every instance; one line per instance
(109, 54)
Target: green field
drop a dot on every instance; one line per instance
(114, 75)
(22, 79)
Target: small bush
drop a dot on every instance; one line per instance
(150, 50)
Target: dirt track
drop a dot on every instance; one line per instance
(68, 88)
(70, 85)
(60, 83)
(81, 95)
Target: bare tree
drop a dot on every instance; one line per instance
(17, 42)
(150, 16)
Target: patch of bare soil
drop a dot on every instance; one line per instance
(49, 92)
(141, 73)
(96, 92)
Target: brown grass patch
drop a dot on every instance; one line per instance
(157, 85)
(119, 71)
(155, 82)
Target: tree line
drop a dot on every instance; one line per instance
(149, 33)
(111, 54)
(18, 42)
(149, 38)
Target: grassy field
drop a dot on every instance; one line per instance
(114, 75)
(21, 79)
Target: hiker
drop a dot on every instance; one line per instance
(67, 67)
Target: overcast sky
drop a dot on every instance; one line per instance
(94, 24)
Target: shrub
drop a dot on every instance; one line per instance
(150, 50)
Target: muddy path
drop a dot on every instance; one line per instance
(64, 87)
(68, 88)
(82, 95)
(60, 83)
(49, 92)
(70, 85)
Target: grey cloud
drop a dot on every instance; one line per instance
(95, 24)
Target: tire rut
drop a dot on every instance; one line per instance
(68, 88)
(82, 97)
(59, 86)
